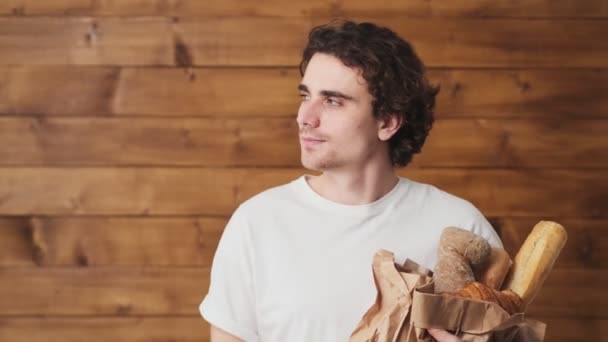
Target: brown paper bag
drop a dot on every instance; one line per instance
(406, 306)
(384, 320)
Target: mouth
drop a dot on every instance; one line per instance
(308, 142)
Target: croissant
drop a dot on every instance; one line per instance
(469, 267)
(507, 299)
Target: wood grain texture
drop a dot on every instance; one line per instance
(338, 8)
(194, 329)
(522, 93)
(515, 143)
(103, 329)
(132, 91)
(575, 329)
(86, 41)
(246, 41)
(191, 241)
(274, 142)
(131, 191)
(571, 293)
(131, 130)
(103, 291)
(209, 191)
(99, 141)
(178, 291)
(260, 41)
(186, 329)
(109, 241)
(440, 42)
(229, 92)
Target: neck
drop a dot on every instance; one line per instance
(354, 187)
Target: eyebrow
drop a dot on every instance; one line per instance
(327, 93)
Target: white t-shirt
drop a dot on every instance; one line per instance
(294, 266)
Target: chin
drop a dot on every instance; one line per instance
(318, 165)
(314, 165)
(310, 166)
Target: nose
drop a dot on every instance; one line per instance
(308, 114)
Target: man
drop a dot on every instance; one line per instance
(294, 262)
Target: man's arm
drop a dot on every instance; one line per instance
(229, 304)
(219, 335)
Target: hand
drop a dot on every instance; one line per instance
(443, 336)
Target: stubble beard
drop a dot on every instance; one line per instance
(319, 160)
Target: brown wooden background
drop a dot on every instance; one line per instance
(130, 130)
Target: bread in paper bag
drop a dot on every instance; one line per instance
(407, 304)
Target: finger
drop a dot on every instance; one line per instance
(443, 336)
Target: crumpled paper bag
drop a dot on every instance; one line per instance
(406, 306)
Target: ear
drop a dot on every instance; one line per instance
(388, 126)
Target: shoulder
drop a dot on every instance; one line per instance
(256, 208)
(259, 216)
(438, 199)
(451, 210)
(277, 194)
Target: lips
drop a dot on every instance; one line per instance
(310, 141)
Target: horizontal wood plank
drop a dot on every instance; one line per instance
(86, 41)
(274, 142)
(207, 142)
(227, 92)
(173, 291)
(223, 41)
(195, 329)
(515, 143)
(103, 291)
(571, 293)
(440, 42)
(103, 329)
(103, 241)
(521, 93)
(191, 241)
(131, 191)
(209, 191)
(340, 8)
(186, 329)
(149, 91)
(575, 329)
(263, 41)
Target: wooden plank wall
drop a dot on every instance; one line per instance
(130, 130)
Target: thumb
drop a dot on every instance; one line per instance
(443, 336)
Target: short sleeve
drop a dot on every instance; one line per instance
(230, 301)
(482, 227)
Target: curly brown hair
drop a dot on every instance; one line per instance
(394, 74)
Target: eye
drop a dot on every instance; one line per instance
(333, 102)
(304, 96)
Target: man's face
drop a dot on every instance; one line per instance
(337, 128)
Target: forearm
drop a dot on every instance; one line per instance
(219, 335)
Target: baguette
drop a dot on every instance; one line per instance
(535, 259)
